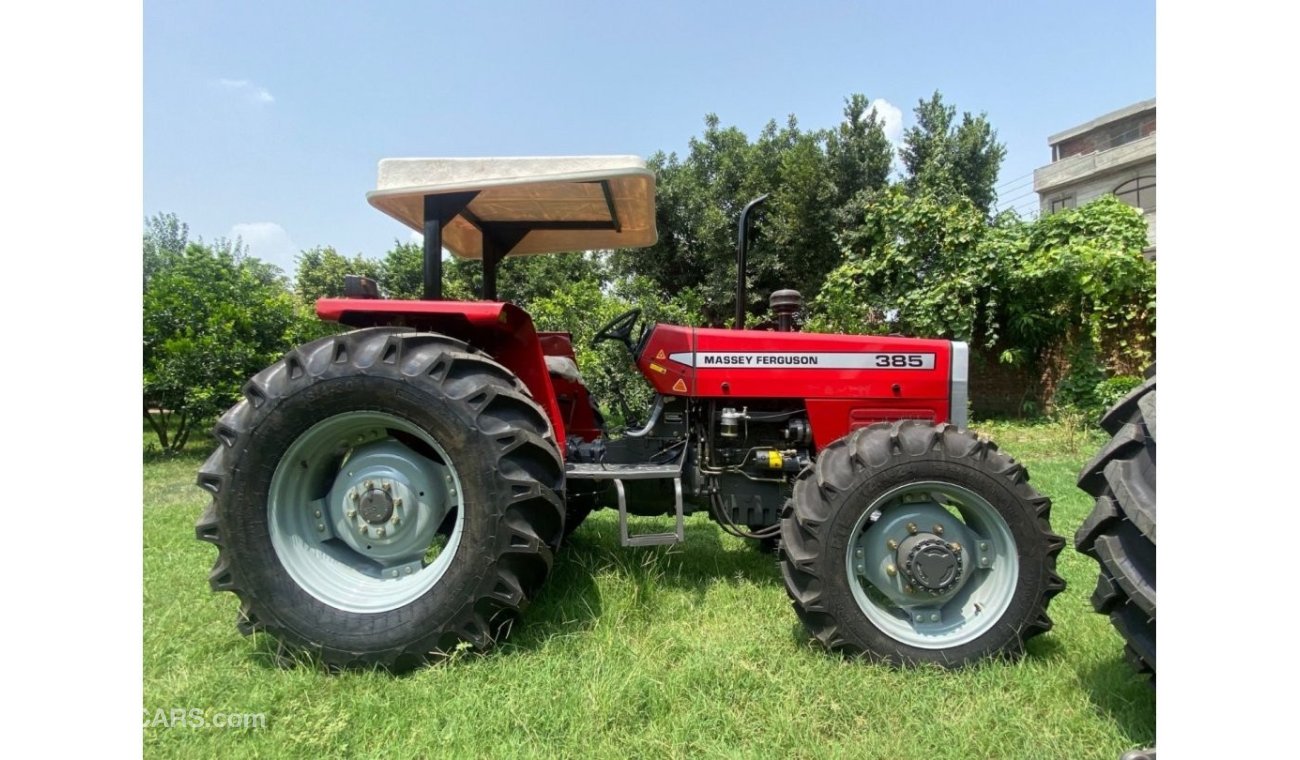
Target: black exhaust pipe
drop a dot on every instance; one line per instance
(742, 250)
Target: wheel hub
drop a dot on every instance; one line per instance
(389, 502)
(376, 506)
(930, 562)
(917, 553)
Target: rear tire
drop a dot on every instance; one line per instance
(1120, 533)
(436, 408)
(860, 590)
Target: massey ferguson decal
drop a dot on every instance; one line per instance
(804, 360)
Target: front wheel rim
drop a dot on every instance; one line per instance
(365, 511)
(919, 608)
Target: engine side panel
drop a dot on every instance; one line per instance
(846, 381)
(669, 378)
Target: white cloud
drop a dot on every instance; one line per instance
(267, 241)
(891, 117)
(254, 93)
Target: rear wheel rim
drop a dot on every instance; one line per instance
(923, 617)
(365, 511)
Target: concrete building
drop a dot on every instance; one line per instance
(1114, 153)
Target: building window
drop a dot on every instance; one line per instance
(1139, 193)
(1062, 203)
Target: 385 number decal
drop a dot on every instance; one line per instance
(903, 361)
(803, 360)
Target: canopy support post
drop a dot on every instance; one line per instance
(497, 244)
(438, 210)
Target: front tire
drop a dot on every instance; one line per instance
(910, 543)
(381, 497)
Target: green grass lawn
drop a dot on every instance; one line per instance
(666, 651)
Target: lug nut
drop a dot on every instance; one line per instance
(388, 487)
(352, 492)
(891, 570)
(395, 520)
(370, 484)
(956, 547)
(379, 532)
(938, 529)
(911, 528)
(892, 544)
(397, 502)
(352, 513)
(907, 589)
(364, 530)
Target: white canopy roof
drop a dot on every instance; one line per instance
(565, 203)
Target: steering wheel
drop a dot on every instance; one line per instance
(620, 329)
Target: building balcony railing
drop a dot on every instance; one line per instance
(1077, 168)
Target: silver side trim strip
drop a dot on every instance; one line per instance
(959, 386)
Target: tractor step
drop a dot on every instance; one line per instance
(650, 539)
(620, 472)
(602, 471)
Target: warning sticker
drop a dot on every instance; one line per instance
(661, 355)
(679, 386)
(804, 360)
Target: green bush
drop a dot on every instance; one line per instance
(213, 317)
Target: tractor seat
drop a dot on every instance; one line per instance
(564, 367)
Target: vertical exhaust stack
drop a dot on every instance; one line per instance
(785, 304)
(743, 231)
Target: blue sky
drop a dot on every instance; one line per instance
(267, 120)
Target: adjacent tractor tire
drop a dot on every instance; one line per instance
(1121, 531)
(382, 497)
(910, 543)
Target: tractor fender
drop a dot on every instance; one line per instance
(502, 330)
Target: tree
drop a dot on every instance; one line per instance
(913, 265)
(524, 279)
(1072, 287)
(859, 151)
(809, 176)
(165, 236)
(401, 271)
(213, 317)
(321, 272)
(945, 159)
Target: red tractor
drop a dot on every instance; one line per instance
(389, 494)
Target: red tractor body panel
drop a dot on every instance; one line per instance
(574, 401)
(504, 331)
(847, 381)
